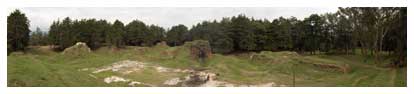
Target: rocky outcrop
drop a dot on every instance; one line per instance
(124, 67)
(193, 78)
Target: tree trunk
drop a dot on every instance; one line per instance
(381, 38)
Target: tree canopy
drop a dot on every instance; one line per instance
(17, 31)
(370, 29)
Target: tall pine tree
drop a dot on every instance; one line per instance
(17, 31)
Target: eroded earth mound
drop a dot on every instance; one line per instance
(78, 49)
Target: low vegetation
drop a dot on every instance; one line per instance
(41, 66)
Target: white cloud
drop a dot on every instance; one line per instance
(164, 16)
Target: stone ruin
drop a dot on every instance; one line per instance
(199, 78)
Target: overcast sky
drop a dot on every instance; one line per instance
(165, 16)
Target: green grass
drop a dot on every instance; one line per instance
(42, 67)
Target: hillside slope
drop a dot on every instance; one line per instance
(173, 66)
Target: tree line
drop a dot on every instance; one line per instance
(98, 33)
(371, 30)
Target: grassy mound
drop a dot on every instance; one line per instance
(78, 49)
(40, 66)
(286, 57)
(274, 57)
(199, 46)
(327, 64)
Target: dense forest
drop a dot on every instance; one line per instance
(370, 31)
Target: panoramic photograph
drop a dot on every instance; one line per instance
(207, 47)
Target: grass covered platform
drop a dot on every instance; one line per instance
(40, 66)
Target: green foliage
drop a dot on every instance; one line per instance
(370, 29)
(38, 38)
(371, 26)
(282, 30)
(17, 31)
(242, 32)
(98, 33)
(156, 34)
(67, 33)
(136, 32)
(175, 36)
(215, 33)
(313, 31)
(117, 38)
